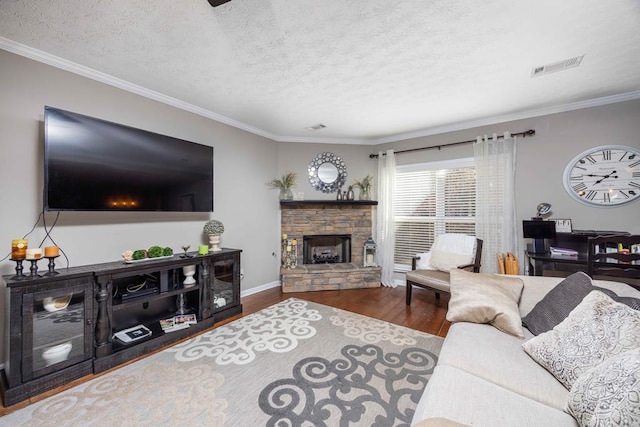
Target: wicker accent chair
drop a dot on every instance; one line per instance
(438, 280)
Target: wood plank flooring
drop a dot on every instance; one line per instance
(426, 314)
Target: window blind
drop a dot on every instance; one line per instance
(430, 200)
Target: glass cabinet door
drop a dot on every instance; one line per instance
(57, 329)
(225, 274)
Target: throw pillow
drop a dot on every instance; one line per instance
(486, 298)
(447, 261)
(423, 262)
(558, 303)
(595, 330)
(608, 394)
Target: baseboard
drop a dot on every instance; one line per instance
(260, 288)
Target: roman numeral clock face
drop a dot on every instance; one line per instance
(604, 176)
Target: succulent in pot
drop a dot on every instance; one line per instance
(213, 228)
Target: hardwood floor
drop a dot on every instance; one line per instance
(426, 314)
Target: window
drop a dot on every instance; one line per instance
(431, 199)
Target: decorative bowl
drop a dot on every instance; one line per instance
(57, 353)
(55, 304)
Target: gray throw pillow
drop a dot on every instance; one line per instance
(558, 303)
(609, 394)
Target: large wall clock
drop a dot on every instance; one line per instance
(604, 176)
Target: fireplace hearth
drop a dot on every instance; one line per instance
(326, 249)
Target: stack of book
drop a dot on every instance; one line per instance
(563, 251)
(180, 321)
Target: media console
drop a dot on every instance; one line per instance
(62, 327)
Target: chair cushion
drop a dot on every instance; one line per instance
(597, 329)
(486, 298)
(432, 278)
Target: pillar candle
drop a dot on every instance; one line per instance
(18, 249)
(51, 251)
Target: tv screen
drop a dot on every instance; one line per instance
(538, 229)
(95, 165)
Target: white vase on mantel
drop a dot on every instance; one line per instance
(214, 243)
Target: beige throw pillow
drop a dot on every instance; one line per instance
(597, 329)
(486, 298)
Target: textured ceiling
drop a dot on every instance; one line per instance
(370, 70)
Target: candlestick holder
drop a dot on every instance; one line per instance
(34, 267)
(19, 268)
(52, 265)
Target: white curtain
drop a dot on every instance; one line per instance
(495, 162)
(385, 224)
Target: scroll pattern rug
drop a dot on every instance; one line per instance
(295, 363)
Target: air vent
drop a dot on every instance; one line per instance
(556, 66)
(315, 127)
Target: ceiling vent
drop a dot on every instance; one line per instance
(556, 66)
(315, 127)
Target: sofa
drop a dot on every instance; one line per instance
(484, 377)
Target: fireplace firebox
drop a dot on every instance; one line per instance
(326, 249)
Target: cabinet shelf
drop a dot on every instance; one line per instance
(97, 312)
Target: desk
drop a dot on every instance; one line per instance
(538, 263)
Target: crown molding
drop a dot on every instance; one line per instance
(63, 64)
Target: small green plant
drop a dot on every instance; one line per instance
(287, 181)
(213, 226)
(154, 252)
(139, 254)
(364, 184)
(167, 251)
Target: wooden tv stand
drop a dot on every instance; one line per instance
(61, 326)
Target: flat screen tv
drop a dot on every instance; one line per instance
(95, 165)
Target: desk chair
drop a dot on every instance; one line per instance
(616, 265)
(430, 270)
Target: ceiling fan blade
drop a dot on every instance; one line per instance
(215, 3)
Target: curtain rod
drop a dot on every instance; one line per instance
(524, 134)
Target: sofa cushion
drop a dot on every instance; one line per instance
(486, 298)
(595, 330)
(487, 353)
(558, 303)
(462, 397)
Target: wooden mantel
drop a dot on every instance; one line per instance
(293, 203)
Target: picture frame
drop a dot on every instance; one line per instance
(563, 225)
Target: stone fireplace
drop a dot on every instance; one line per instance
(339, 260)
(326, 249)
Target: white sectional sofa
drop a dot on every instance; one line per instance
(485, 378)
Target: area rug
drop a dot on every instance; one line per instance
(296, 363)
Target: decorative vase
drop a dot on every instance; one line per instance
(365, 194)
(286, 194)
(189, 271)
(350, 194)
(214, 243)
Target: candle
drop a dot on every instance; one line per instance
(51, 251)
(288, 248)
(34, 253)
(369, 259)
(18, 249)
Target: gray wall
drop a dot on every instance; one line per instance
(541, 160)
(243, 163)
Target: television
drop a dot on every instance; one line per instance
(95, 165)
(538, 230)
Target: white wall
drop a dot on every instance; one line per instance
(243, 163)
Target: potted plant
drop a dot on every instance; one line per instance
(213, 228)
(285, 183)
(365, 187)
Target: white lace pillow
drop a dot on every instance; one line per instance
(608, 394)
(447, 261)
(597, 329)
